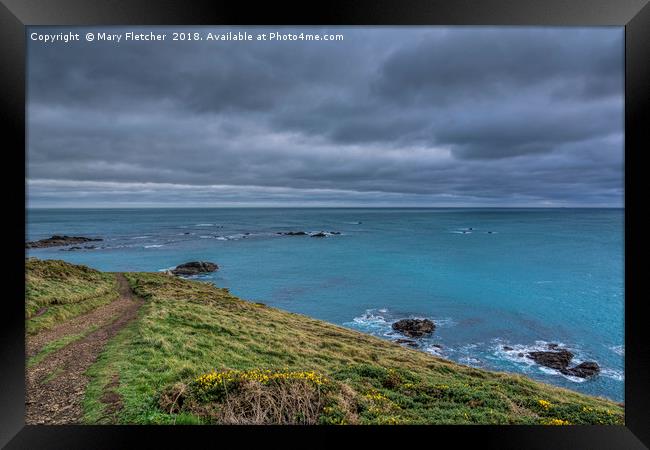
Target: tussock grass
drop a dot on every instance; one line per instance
(189, 328)
(56, 291)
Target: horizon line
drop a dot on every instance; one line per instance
(324, 207)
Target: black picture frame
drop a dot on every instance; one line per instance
(15, 15)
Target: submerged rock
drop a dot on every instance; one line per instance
(414, 327)
(58, 240)
(293, 233)
(507, 348)
(76, 247)
(409, 342)
(555, 360)
(325, 233)
(194, 268)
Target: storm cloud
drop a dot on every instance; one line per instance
(419, 116)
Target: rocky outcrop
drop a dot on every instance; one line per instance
(414, 327)
(560, 360)
(58, 240)
(194, 268)
(325, 233)
(555, 360)
(583, 370)
(304, 233)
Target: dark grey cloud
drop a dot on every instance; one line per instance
(423, 116)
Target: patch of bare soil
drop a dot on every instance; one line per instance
(111, 398)
(59, 399)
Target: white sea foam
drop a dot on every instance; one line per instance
(434, 350)
(204, 225)
(372, 318)
(471, 361)
(154, 246)
(618, 349)
(141, 237)
(613, 374)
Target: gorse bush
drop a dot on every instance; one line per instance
(251, 397)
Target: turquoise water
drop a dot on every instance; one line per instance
(520, 278)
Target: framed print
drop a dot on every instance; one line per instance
(280, 221)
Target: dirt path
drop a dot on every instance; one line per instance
(56, 385)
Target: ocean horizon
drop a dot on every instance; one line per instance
(497, 281)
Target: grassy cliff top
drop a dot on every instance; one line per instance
(198, 354)
(56, 290)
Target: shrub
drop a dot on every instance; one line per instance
(251, 397)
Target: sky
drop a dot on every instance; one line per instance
(401, 116)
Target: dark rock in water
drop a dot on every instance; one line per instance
(76, 247)
(409, 342)
(583, 370)
(335, 232)
(294, 233)
(555, 360)
(507, 348)
(552, 346)
(414, 327)
(195, 268)
(437, 346)
(320, 234)
(58, 240)
(521, 355)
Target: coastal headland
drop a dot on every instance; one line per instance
(154, 348)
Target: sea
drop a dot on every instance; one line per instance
(496, 282)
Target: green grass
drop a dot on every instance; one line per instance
(187, 328)
(63, 291)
